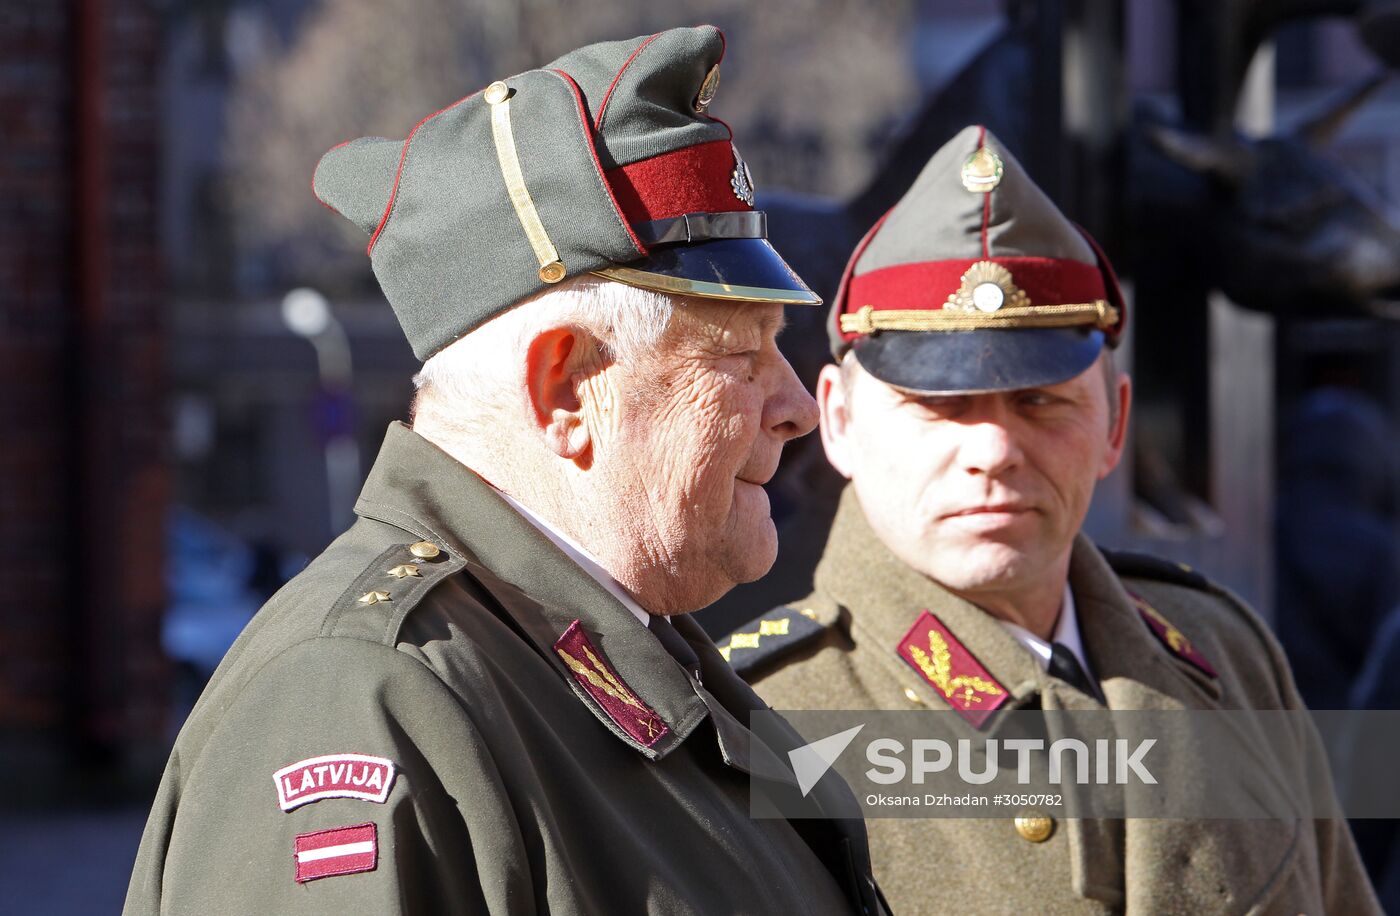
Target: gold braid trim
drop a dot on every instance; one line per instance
(1178, 640)
(498, 95)
(868, 320)
(939, 670)
(602, 678)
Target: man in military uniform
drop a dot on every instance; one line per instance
(974, 406)
(474, 701)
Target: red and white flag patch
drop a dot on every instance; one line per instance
(338, 851)
(334, 776)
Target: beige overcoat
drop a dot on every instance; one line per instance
(836, 649)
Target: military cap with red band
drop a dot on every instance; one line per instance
(604, 161)
(975, 281)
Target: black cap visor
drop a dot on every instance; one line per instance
(971, 362)
(746, 269)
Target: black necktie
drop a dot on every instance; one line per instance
(1065, 666)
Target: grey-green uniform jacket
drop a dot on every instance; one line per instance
(397, 732)
(838, 650)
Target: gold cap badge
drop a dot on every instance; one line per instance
(707, 90)
(982, 171)
(986, 287)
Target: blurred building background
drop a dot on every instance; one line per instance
(173, 450)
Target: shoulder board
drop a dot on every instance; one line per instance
(1136, 565)
(771, 635)
(377, 601)
(1177, 642)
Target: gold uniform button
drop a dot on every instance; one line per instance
(912, 697)
(1034, 827)
(496, 93)
(424, 550)
(552, 272)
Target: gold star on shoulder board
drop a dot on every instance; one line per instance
(374, 597)
(405, 571)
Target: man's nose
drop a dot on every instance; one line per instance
(988, 447)
(790, 410)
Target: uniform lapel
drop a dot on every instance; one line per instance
(613, 664)
(838, 837)
(1133, 667)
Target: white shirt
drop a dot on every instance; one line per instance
(1066, 634)
(583, 558)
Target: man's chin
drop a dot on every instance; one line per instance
(759, 552)
(979, 565)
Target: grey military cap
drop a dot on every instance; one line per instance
(975, 281)
(606, 160)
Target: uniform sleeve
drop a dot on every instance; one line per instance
(443, 839)
(1345, 885)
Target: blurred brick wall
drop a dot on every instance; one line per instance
(82, 485)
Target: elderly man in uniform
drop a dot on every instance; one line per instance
(485, 697)
(974, 406)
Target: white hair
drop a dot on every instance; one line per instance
(481, 374)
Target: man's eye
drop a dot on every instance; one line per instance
(1037, 399)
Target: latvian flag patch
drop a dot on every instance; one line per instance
(339, 851)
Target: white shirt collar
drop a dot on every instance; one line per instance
(1066, 633)
(583, 558)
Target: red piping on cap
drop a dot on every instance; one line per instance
(1113, 290)
(838, 304)
(318, 165)
(723, 43)
(723, 46)
(693, 179)
(398, 176)
(607, 96)
(986, 198)
(724, 122)
(598, 166)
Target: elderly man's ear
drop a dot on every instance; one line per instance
(562, 369)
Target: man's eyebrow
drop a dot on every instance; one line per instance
(773, 322)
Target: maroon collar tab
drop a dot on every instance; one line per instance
(597, 678)
(932, 650)
(1175, 640)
